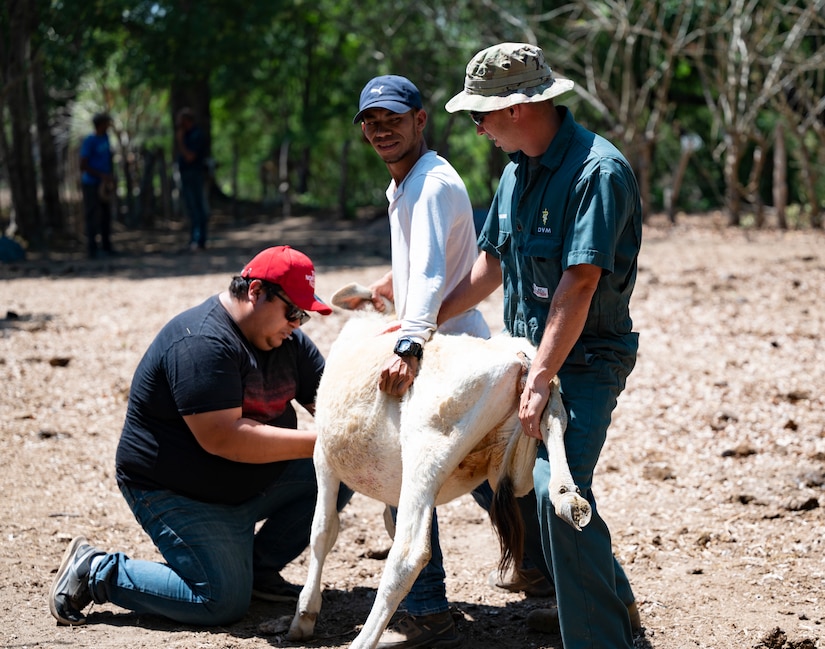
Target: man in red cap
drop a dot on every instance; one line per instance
(209, 449)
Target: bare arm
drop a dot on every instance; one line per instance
(568, 313)
(483, 279)
(230, 435)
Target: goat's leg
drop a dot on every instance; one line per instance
(409, 553)
(564, 494)
(325, 524)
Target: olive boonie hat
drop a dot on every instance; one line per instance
(390, 91)
(507, 74)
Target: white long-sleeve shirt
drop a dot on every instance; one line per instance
(433, 247)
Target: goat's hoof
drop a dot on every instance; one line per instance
(574, 510)
(302, 627)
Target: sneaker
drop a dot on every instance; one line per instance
(70, 593)
(437, 631)
(276, 589)
(531, 582)
(546, 620)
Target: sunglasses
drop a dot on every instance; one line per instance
(293, 313)
(478, 117)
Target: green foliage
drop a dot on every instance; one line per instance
(285, 75)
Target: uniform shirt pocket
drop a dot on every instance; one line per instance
(541, 268)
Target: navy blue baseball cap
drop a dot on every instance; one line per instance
(397, 94)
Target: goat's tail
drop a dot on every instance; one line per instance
(506, 519)
(504, 511)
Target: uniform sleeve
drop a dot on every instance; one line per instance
(488, 237)
(493, 239)
(600, 207)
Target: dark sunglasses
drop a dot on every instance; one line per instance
(293, 313)
(478, 117)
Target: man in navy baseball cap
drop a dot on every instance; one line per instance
(433, 246)
(389, 91)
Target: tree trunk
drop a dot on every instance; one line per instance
(733, 196)
(754, 195)
(146, 210)
(22, 175)
(302, 185)
(49, 168)
(284, 187)
(236, 158)
(127, 164)
(343, 210)
(165, 185)
(5, 155)
(780, 176)
(676, 186)
(809, 183)
(645, 183)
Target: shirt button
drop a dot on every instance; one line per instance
(518, 227)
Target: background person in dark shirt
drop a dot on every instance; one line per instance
(192, 152)
(209, 449)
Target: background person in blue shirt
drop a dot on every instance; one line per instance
(98, 185)
(562, 236)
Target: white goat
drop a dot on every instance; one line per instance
(455, 427)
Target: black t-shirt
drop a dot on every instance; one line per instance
(195, 140)
(200, 362)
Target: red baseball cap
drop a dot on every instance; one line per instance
(293, 271)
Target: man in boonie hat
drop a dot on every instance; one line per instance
(208, 450)
(562, 237)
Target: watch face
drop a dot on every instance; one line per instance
(407, 347)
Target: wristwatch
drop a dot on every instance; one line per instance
(408, 347)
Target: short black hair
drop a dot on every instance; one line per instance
(240, 285)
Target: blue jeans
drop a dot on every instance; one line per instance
(212, 552)
(428, 594)
(193, 192)
(98, 217)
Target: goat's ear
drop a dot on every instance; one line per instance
(352, 297)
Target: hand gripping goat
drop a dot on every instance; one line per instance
(456, 427)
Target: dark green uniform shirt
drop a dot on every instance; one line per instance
(577, 204)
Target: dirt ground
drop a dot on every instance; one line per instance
(712, 479)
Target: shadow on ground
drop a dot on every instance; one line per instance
(331, 244)
(343, 614)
